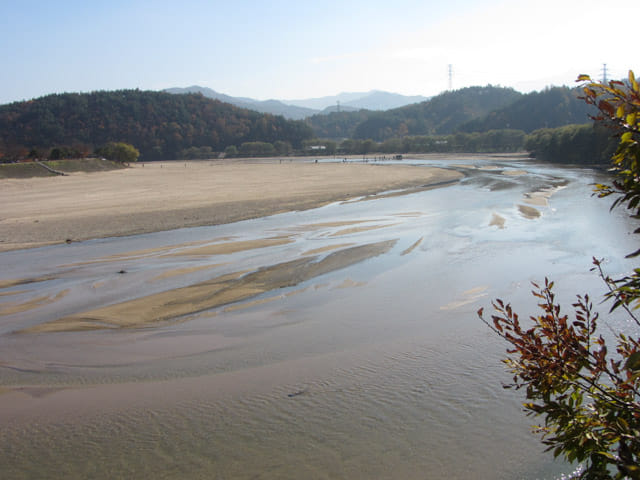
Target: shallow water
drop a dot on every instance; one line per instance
(343, 342)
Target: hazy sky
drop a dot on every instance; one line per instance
(290, 49)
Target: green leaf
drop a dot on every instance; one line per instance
(626, 137)
(633, 362)
(622, 423)
(632, 81)
(609, 455)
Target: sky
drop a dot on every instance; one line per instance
(296, 49)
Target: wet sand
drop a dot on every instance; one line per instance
(163, 196)
(177, 304)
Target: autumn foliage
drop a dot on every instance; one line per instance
(587, 390)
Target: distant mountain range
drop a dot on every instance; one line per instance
(164, 125)
(300, 109)
(373, 100)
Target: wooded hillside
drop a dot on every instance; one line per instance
(160, 125)
(550, 108)
(168, 126)
(442, 114)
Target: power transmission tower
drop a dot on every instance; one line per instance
(450, 77)
(604, 73)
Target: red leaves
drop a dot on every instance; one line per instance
(606, 107)
(496, 323)
(570, 378)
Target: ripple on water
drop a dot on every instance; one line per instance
(399, 410)
(311, 381)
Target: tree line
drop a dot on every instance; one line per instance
(553, 125)
(571, 144)
(160, 125)
(550, 124)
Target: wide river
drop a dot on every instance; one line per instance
(339, 342)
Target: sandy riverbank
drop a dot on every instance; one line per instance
(163, 196)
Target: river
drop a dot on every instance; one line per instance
(339, 342)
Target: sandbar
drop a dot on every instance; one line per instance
(222, 291)
(529, 212)
(158, 196)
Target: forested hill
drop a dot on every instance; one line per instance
(160, 125)
(550, 108)
(442, 114)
